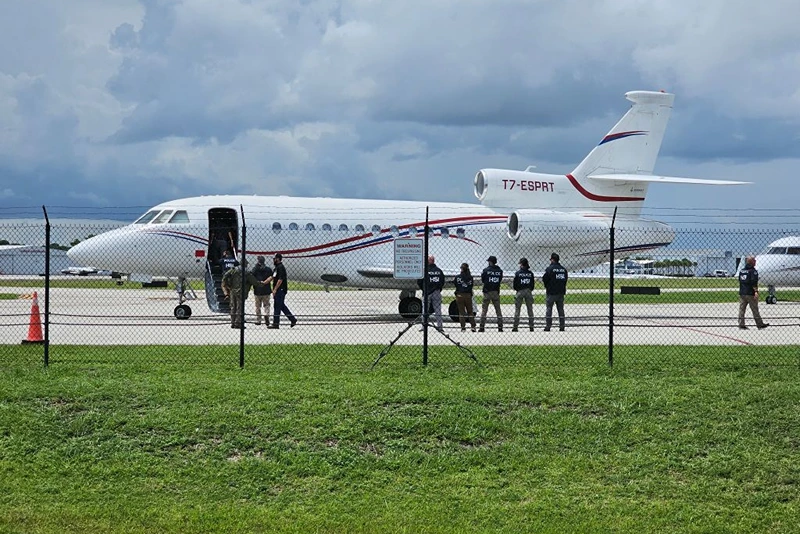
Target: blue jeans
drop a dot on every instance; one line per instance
(280, 306)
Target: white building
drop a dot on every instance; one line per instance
(30, 260)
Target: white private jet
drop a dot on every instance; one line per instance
(779, 265)
(349, 242)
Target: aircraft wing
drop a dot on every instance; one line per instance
(661, 179)
(388, 272)
(449, 274)
(376, 272)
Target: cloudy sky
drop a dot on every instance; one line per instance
(109, 103)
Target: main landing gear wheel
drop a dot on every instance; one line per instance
(410, 307)
(772, 299)
(452, 311)
(182, 311)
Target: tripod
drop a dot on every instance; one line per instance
(423, 320)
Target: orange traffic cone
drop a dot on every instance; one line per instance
(35, 328)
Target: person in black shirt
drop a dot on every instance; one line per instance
(279, 294)
(262, 293)
(748, 293)
(555, 283)
(464, 284)
(523, 285)
(435, 285)
(491, 278)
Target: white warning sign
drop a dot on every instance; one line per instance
(409, 258)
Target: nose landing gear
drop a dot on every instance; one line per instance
(183, 311)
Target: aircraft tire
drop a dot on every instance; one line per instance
(182, 312)
(410, 307)
(452, 311)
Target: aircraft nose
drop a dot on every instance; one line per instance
(100, 251)
(84, 253)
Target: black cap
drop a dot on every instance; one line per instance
(492, 259)
(554, 256)
(278, 256)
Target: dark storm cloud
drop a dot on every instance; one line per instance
(126, 101)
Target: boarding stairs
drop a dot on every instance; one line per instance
(217, 301)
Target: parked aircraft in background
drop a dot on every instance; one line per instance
(348, 242)
(779, 265)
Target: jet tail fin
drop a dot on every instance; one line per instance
(632, 145)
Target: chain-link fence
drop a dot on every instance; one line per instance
(161, 282)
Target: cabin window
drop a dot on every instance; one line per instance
(147, 217)
(276, 227)
(445, 233)
(162, 217)
(310, 227)
(327, 227)
(180, 217)
(394, 230)
(343, 228)
(360, 228)
(460, 233)
(793, 250)
(376, 229)
(293, 226)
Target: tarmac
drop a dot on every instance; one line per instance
(145, 317)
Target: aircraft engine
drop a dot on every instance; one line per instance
(508, 188)
(554, 228)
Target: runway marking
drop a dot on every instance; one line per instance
(693, 329)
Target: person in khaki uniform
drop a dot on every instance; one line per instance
(262, 293)
(464, 283)
(232, 287)
(748, 293)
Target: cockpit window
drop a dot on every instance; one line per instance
(793, 251)
(162, 217)
(777, 250)
(147, 217)
(180, 217)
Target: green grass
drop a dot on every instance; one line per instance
(287, 446)
(8, 296)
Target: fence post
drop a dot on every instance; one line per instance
(46, 288)
(242, 266)
(611, 291)
(425, 292)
